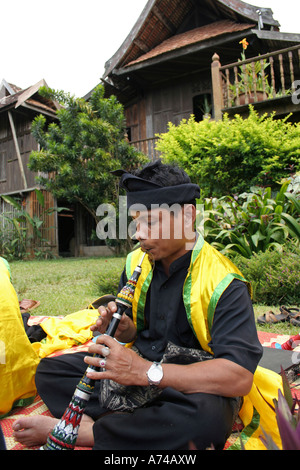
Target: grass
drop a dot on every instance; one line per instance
(67, 285)
(64, 285)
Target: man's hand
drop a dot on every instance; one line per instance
(122, 364)
(126, 330)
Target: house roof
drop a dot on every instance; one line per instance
(175, 38)
(7, 89)
(12, 96)
(193, 36)
(161, 19)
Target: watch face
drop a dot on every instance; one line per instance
(155, 373)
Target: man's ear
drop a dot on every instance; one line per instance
(189, 218)
(189, 214)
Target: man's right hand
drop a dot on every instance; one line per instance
(126, 330)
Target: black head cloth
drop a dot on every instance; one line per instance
(147, 193)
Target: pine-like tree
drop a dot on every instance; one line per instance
(79, 150)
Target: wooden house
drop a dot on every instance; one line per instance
(162, 71)
(66, 233)
(18, 108)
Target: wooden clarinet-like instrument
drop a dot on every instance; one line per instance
(65, 433)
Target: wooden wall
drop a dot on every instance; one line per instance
(48, 240)
(11, 179)
(170, 102)
(135, 116)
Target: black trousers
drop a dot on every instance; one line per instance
(2, 440)
(170, 422)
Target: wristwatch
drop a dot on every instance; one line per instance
(155, 374)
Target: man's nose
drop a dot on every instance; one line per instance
(141, 232)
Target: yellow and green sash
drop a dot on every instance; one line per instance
(209, 274)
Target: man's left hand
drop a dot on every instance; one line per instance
(122, 364)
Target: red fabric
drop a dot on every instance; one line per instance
(38, 407)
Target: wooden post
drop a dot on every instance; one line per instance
(216, 87)
(14, 134)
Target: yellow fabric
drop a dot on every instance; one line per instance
(18, 360)
(260, 399)
(64, 333)
(132, 261)
(213, 272)
(208, 269)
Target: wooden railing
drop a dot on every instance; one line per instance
(147, 146)
(264, 77)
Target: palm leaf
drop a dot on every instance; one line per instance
(294, 201)
(292, 224)
(12, 202)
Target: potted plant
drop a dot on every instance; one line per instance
(252, 80)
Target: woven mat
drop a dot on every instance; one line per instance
(38, 407)
(266, 339)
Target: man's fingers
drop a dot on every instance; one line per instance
(102, 310)
(112, 306)
(106, 341)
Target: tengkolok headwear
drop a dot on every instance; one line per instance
(147, 193)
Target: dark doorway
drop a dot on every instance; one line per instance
(66, 230)
(202, 106)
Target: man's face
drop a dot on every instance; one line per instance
(161, 232)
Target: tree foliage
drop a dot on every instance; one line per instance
(79, 150)
(230, 156)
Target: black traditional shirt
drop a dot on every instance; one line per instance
(233, 334)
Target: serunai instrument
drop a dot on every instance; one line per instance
(65, 433)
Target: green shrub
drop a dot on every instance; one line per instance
(107, 281)
(231, 155)
(108, 284)
(274, 275)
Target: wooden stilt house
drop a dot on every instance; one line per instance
(17, 110)
(162, 71)
(65, 233)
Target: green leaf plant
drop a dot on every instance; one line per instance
(252, 222)
(24, 233)
(251, 78)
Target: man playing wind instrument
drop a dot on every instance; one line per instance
(193, 347)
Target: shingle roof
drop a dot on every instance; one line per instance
(192, 37)
(161, 19)
(28, 95)
(10, 99)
